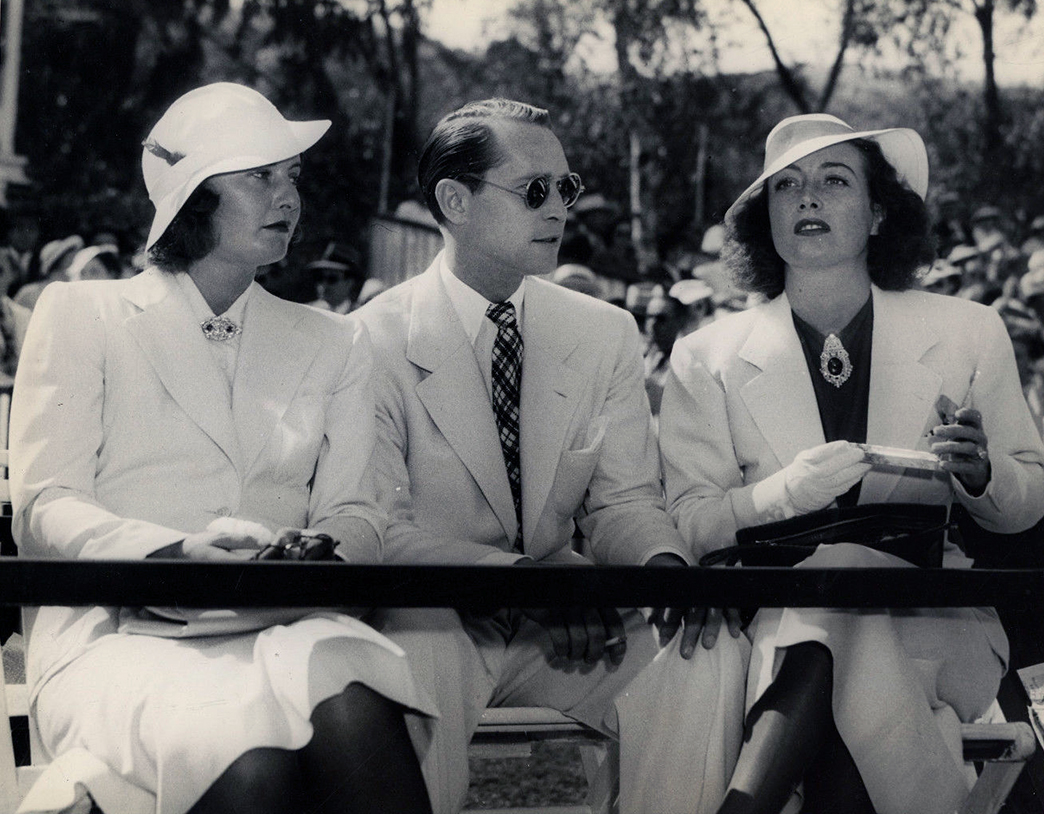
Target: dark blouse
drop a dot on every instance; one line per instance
(842, 410)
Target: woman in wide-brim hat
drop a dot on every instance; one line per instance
(760, 421)
(187, 413)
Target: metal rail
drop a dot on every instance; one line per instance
(303, 584)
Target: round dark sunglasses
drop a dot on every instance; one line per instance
(538, 189)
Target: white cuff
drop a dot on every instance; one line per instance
(666, 549)
(193, 542)
(236, 527)
(232, 527)
(770, 498)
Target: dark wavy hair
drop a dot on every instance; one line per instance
(462, 145)
(902, 245)
(190, 236)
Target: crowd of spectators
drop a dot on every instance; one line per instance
(989, 261)
(983, 256)
(335, 281)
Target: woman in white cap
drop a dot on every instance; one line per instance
(187, 413)
(760, 422)
(55, 259)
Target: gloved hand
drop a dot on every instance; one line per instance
(818, 475)
(229, 534)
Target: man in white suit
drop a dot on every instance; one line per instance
(498, 436)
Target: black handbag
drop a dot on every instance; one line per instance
(912, 531)
(297, 545)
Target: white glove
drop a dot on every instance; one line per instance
(818, 475)
(229, 533)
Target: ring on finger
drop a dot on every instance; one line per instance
(982, 454)
(615, 640)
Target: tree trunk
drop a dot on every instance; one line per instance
(700, 173)
(630, 82)
(11, 166)
(387, 148)
(847, 29)
(637, 232)
(991, 94)
(410, 39)
(790, 82)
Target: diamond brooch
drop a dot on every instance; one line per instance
(834, 363)
(220, 328)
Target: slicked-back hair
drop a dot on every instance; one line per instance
(902, 245)
(462, 145)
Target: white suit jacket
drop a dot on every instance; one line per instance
(739, 405)
(123, 441)
(587, 445)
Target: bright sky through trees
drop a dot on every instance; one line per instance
(804, 31)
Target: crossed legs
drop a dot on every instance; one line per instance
(790, 736)
(360, 759)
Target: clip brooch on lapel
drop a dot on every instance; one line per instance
(220, 328)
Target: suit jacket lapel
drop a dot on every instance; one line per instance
(549, 335)
(454, 393)
(780, 397)
(902, 389)
(260, 398)
(180, 356)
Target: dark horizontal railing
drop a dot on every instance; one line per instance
(302, 584)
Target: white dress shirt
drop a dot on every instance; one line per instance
(471, 309)
(225, 352)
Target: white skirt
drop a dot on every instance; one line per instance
(904, 680)
(170, 715)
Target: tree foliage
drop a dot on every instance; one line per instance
(855, 29)
(922, 28)
(98, 73)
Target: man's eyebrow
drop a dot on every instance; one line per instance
(529, 176)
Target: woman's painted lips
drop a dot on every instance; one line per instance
(810, 226)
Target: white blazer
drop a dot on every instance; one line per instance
(123, 439)
(587, 446)
(739, 405)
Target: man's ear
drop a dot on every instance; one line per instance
(454, 199)
(879, 216)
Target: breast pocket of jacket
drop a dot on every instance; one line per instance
(575, 468)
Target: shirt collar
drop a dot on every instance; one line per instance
(470, 305)
(201, 311)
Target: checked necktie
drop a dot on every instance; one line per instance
(507, 381)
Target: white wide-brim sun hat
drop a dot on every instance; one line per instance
(691, 291)
(218, 128)
(798, 136)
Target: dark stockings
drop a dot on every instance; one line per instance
(832, 782)
(360, 759)
(790, 736)
(262, 781)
